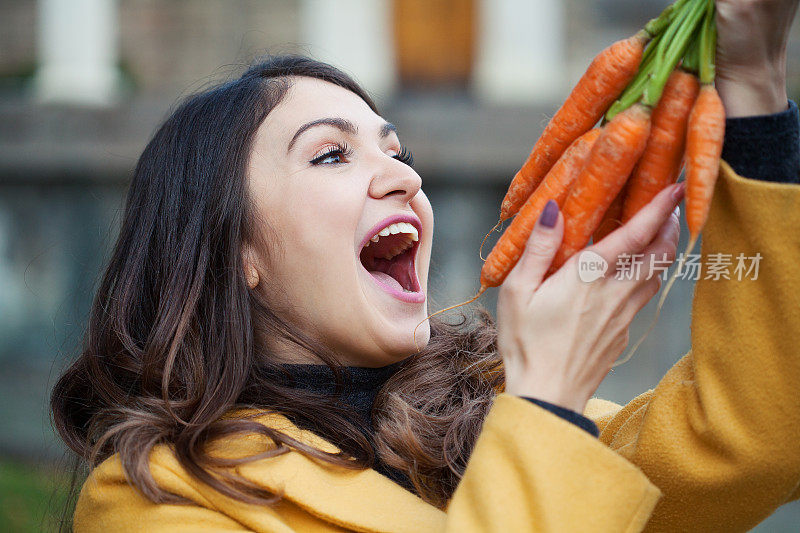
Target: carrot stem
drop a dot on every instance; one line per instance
(708, 45)
(672, 49)
(651, 60)
(633, 92)
(657, 25)
(691, 60)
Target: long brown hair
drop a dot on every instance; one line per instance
(176, 339)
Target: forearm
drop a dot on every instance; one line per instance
(761, 137)
(754, 94)
(719, 433)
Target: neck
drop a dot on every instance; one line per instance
(285, 352)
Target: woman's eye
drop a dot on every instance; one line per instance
(332, 156)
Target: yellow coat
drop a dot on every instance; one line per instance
(714, 447)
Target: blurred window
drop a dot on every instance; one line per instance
(434, 42)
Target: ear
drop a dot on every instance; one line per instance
(250, 266)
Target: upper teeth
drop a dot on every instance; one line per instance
(398, 227)
(409, 232)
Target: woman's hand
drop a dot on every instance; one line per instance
(559, 337)
(751, 55)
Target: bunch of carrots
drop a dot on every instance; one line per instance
(655, 93)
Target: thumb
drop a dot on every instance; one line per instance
(540, 249)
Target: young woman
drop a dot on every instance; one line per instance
(250, 361)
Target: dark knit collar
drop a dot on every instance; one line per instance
(354, 379)
(358, 386)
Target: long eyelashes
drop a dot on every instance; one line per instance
(340, 152)
(405, 156)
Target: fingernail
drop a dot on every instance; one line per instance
(680, 188)
(549, 214)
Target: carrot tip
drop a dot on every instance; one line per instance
(480, 250)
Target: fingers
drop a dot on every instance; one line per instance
(639, 298)
(655, 259)
(670, 231)
(645, 292)
(662, 251)
(540, 249)
(639, 232)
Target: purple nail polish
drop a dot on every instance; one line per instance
(549, 215)
(679, 191)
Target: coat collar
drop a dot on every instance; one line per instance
(362, 500)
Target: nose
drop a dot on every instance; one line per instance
(395, 178)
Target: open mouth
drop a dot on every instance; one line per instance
(389, 255)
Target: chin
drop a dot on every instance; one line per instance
(403, 343)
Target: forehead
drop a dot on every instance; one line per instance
(310, 99)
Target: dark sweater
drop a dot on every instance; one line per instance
(763, 147)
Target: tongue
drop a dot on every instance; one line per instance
(386, 279)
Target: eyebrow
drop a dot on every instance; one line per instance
(387, 129)
(341, 124)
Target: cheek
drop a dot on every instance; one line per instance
(315, 216)
(317, 226)
(326, 218)
(320, 281)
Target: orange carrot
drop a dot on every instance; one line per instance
(555, 186)
(601, 84)
(705, 132)
(661, 161)
(613, 217)
(611, 161)
(703, 149)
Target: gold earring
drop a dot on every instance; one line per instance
(253, 279)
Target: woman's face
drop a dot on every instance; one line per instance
(353, 228)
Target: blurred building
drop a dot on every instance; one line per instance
(84, 83)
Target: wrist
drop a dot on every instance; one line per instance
(753, 93)
(547, 392)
